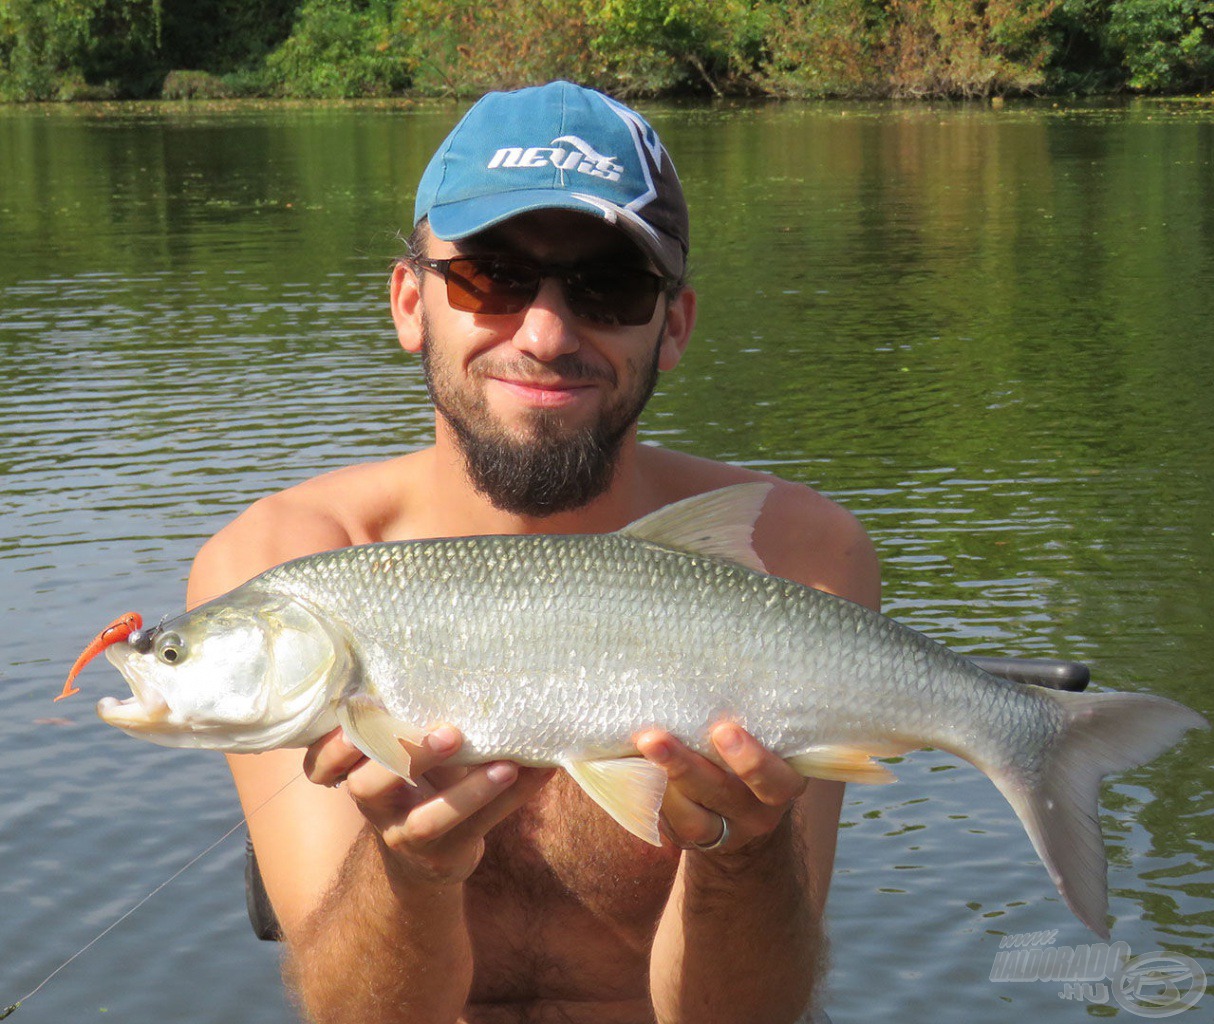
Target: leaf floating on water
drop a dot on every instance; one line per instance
(51, 721)
(8, 1010)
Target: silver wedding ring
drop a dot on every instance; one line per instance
(720, 841)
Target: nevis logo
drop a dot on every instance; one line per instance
(566, 153)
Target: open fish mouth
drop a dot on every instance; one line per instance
(145, 708)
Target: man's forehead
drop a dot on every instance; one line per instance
(556, 235)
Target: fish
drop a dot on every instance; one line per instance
(559, 649)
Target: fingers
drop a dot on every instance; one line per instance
(435, 823)
(752, 789)
(471, 806)
(770, 778)
(333, 757)
(442, 839)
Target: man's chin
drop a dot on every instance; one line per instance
(550, 469)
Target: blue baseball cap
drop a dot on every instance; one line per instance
(557, 146)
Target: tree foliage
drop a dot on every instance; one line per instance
(65, 49)
(337, 50)
(1167, 44)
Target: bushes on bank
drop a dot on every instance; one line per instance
(1164, 41)
(70, 49)
(338, 50)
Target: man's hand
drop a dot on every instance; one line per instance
(702, 798)
(436, 829)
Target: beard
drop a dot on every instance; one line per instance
(551, 467)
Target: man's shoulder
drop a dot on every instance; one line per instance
(330, 511)
(801, 533)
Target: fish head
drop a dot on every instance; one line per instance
(247, 672)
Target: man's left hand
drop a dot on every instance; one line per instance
(748, 798)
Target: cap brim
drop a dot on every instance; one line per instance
(453, 222)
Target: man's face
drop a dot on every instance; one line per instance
(539, 402)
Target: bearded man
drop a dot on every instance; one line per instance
(544, 289)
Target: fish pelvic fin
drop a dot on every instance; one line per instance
(384, 739)
(719, 524)
(1057, 800)
(630, 789)
(846, 764)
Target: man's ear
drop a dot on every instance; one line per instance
(680, 319)
(405, 298)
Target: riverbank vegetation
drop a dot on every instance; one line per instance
(178, 49)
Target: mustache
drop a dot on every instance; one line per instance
(569, 369)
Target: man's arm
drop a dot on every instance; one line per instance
(366, 879)
(389, 941)
(741, 937)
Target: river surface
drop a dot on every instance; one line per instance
(986, 332)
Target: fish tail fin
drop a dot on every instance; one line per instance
(1057, 798)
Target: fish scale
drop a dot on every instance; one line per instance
(557, 650)
(542, 622)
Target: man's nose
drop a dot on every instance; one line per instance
(548, 329)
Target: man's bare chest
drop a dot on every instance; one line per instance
(564, 903)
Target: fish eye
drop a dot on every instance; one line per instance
(170, 648)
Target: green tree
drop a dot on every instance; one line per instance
(53, 49)
(967, 47)
(223, 36)
(467, 47)
(647, 46)
(1168, 45)
(821, 48)
(339, 49)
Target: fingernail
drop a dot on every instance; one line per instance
(659, 752)
(728, 739)
(500, 774)
(443, 740)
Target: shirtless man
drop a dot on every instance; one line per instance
(500, 893)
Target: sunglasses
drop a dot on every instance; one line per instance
(601, 293)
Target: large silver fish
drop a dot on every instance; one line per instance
(557, 650)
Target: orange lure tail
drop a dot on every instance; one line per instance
(119, 629)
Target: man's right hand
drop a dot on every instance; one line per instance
(434, 832)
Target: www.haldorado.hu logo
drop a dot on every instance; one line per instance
(1152, 985)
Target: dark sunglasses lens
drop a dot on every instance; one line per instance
(490, 286)
(617, 296)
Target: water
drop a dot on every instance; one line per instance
(985, 332)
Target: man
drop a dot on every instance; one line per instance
(545, 290)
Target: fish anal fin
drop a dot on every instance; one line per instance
(630, 789)
(384, 739)
(848, 763)
(718, 524)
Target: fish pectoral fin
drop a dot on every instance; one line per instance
(384, 739)
(718, 524)
(630, 789)
(847, 764)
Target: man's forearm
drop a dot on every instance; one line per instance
(741, 938)
(381, 951)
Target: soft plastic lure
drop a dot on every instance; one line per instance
(118, 630)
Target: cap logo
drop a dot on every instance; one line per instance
(566, 153)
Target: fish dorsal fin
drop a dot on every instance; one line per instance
(718, 524)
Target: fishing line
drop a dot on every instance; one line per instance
(8, 1010)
